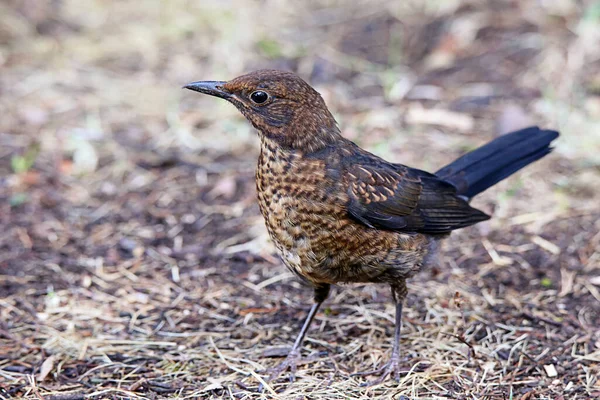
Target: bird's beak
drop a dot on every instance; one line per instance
(213, 88)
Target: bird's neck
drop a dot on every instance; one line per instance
(308, 142)
(301, 144)
(308, 132)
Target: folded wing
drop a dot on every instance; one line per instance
(399, 198)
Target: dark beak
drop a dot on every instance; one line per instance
(213, 88)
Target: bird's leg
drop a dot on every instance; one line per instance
(392, 367)
(291, 361)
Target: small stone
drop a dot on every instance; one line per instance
(550, 370)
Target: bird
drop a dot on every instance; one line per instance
(340, 214)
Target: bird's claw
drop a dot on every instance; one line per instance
(391, 368)
(291, 362)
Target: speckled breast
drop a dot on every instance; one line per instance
(292, 199)
(306, 217)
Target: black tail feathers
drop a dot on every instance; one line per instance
(484, 167)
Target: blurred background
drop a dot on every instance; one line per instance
(133, 258)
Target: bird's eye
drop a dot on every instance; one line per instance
(259, 97)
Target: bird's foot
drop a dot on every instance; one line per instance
(291, 362)
(391, 368)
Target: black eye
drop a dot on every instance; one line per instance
(259, 97)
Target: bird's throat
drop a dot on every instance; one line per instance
(302, 139)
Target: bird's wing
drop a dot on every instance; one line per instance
(399, 198)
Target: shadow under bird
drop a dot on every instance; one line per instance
(338, 213)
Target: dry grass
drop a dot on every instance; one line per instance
(135, 263)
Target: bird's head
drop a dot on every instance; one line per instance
(280, 105)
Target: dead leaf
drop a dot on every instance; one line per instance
(433, 116)
(30, 178)
(257, 311)
(214, 384)
(225, 187)
(595, 280)
(528, 395)
(46, 368)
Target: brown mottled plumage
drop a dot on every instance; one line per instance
(338, 213)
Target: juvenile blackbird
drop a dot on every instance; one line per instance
(338, 213)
